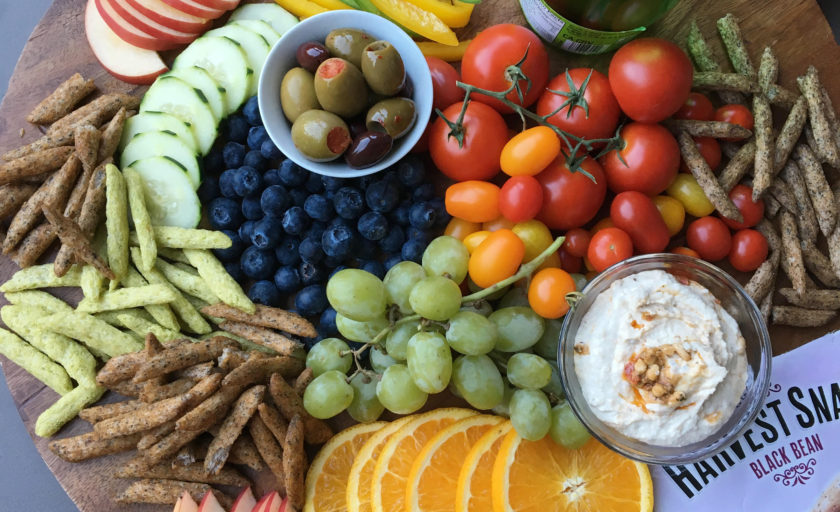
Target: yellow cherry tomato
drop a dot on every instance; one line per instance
(686, 190)
(496, 224)
(604, 223)
(547, 292)
(530, 151)
(553, 261)
(496, 258)
(672, 211)
(536, 237)
(473, 240)
(460, 228)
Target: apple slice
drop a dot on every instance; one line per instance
(283, 505)
(169, 16)
(210, 504)
(128, 32)
(195, 8)
(185, 504)
(226, 5)
(270, 503)
(148, 25)
(125, 61)
(245, 502)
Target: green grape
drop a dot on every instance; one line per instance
(446, 256)
(478, 381)
(528, 371)
(482, 307)
(517, 296)
(379, 359)
(397, 340)
(327, 395)
(471, 334)
(399, 280)
(548, 342)
(530, 414)
(580, 281)
(429, 361)
(519, 328)
(356, 294)
(554, 388)
(503, 409)
(365, 407)
(329, 354)
(361, 332)
(566, 429)
(498, 294)
(397, 392)
(436, 298)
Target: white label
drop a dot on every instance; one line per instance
(542, 19)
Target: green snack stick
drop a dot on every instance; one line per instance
(142, 327)
(187, 282)
(162, 313)
(35, 362)
(116, 222)
(38, 299)
(220, 282)
(66, 408)
(41, 276)
(140, 215)
(126, 298)
(93, 332)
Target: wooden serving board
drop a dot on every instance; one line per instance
(57, 48)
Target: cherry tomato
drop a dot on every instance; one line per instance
(547, 292)
(604, 223)
(492, 51)
(685, 251)
(536, 237)
(697, 106)
(422, 145)
(577, 241)
(473, 201)
(592, 113)
(444, 76)
(672, 211)
(571, 199)
(496, 258)
(529, 152)
(552, 261)
(749, 250)
(710, 149)
(569, 263)
(460, 228)
(686, 190)
(651, 78)
(473, 240)
(636, 215)
(520, 198)
(647, 162)
(496, 224)
(484, 135)
(710, 237)
(735, 114)
(608, 247)
(753, 212)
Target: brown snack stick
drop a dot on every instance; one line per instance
(120, 368)
(826, 143)
(813, 299)
(110, 136)
(834, 250)
(256, 370)
(265, 316)
(812, 142)
(831, 115)
(806, 218)
(86, 139)
(733, 41)
(273, 420)
(72, 235)
(167, 390)
(762, 280)
(291, 405)
(34, 245)
(231, 358)
(197, 371)
(270, 450)
(136, 468)
(303, 380)
(143, 419)
(771, 207)
(706, 179)
(822, 198)
(720, 81)
(781, 192)
(791, 252)
(763, 168)
(801, 317)
(128, 388)
(716, 129)
(80, 191)
(766, 307)
(103, 412)
(34, 164)
(88, 446)
(243, 452)
(768, 69)
(820, 265)
(154, 435)
(152, 346)
(169, 445)
(185, 456)
(14, 195)
(294, 463)
(161, 492)
(182, 357)
(703, 58)
(27, 149)
(263, 337)
(791, 130)
(240, 414)
(738, 165)
(209, 412)
(90, 216)
(96, 112)
(61, 101)
(781, 96)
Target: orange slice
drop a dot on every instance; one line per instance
(433, 480)
(476, 476)
(326, 479)
(542, 475)
(390, 475)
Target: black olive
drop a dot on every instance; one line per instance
(367, 149)
(310, 55)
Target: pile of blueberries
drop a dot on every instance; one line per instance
(292, 229)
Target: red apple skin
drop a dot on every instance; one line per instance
(262, 504)
(169, 16)
(149, 26)
(195, 8)
(129, 33)
(283, 505)
(245, 502)
(225, 5)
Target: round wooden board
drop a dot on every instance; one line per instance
(57, 48)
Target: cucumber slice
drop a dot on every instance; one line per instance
(170, 196)
(226, 62)
(280, 19)
(157, 122)
(255, 46)
(167, 144)
(260, 27)
(174, 96)
(201, 80)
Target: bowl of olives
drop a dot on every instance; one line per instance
(345, 93)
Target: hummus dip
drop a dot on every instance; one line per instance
(660, 360)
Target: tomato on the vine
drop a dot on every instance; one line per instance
(709, 149)
(530, 151)
(488, 57)
(636, 215)
(735, 114)
(484, 135)
(547, 292)
(521, 198)
(577, 241)
(749, 250)
(710, 237)
(571, 199)
(473, 201)
(444, 77)
(608, 247)
(569, 263)
(697, 106)
(591, 110)
(647, 162)
(496, 258)
(752, 212)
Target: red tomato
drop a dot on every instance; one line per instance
(569, 263)
(608, 247)
(577, 241)
(547, 292)
(591, 115)
(496, 48)
(485, 134)
(422, 145)
(444, 77)
(697, 106)
(735, 114)
(749, 250)
(571, 199)
(710, 149)
(521, 198)
(741, 195)
(636, 214)
(496, 258)
(651, 158)
(685, 251)
(651, 78)
(473, 201)
(710, 237)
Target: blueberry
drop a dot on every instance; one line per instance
(442, 216)
(287, 251)
(335, 261)
(275, 200)
(332, 184)
(298, 196)
(287, 279)
(269, 150)
(248, 181)
(245, 231)
(314, 184)
(373, 226)
(226, 181)
(234, 251)
(214, 162)
(366, 251)
(258, 263)
(382, 196)
(326, 324)
(318, 207)
(271, 177)
(233, 154)
(364, 181)
(267, 233)
(316, 229)
(423, 192)
(256, 136)
(251, 209)
(400, 213)
(411, 171)
(339, 221)
(295, 220)
(339, 241)
(209, 189)
(264, 292)
(251, 111)
(412, 250)
(375, 267)
(392, 260)
(255, 159)
(422, 215)
(393, 241)
(224, 213)
(421, 235)
(311, 273)
(312, 300)
(291, 174)
(348, 202)
(337, 269)
(237, 128)
(310, 250)
(234, 270)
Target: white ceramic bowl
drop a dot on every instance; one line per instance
(282, 58)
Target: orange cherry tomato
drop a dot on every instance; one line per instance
(473, 240)
(460, 228)
(685, 251)
(547, 292)
(473, 201)
(498, 223)
(496, 258)
(530, 151)
(604, 223)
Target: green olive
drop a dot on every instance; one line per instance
(383, 68)
(394, 116)
(297, 93)
(321, 136)
(340, 87)
(348, 43)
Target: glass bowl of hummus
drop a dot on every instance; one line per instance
(665, 358)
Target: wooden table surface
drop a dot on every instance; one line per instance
(57, 48)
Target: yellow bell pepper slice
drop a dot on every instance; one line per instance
(413, 18)
(445, 52)
(454, 13)
(301, 8)
(332, 5)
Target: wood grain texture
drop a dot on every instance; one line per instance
(57, 48)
